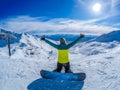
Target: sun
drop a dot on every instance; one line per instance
(96, 7)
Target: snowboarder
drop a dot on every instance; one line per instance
(63, 49)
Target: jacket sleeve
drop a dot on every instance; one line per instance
(52, 44)
(73, 43)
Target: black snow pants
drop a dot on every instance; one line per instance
(66, 66)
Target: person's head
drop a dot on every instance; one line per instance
(62, 40)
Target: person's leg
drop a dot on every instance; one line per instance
(67, 68)
(59, 68)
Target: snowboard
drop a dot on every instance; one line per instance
(49, 84)
(63, 76)
(58, 81)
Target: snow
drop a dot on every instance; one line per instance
(112, 36)
(99, 60)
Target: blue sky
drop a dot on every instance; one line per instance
(60, 16)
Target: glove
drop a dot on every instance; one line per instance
(82, 35)
(42, 38)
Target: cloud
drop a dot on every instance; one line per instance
(57, 25)
(115, 3)
(110, 8)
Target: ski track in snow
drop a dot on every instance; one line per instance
(100, 62)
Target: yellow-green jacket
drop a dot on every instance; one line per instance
(63, 50)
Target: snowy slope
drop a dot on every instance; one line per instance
(23, 67)
(99, 60)
(112, 36)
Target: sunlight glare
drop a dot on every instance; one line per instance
(96, 7)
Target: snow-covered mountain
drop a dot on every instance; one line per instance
(99, 60)
(69, 37)
(3, 41)
(112, 36)
(56, 37)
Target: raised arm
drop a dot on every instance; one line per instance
(50, 43)
(74, 42)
